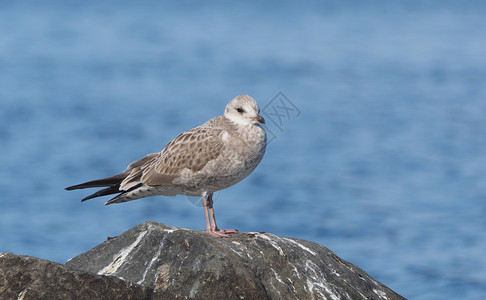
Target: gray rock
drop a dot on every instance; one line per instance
(193, 264)
(24, 277)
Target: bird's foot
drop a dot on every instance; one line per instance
(221, 233)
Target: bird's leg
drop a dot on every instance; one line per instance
(211, 227)
(207, 203)
(214, 227)
(206, 213)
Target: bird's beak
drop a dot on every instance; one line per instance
(259, 119)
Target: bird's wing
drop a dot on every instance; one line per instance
(141, 162)
(192, 150)
(134, 171)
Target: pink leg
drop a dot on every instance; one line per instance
(211, 227)
(214, 227)
(206, 214)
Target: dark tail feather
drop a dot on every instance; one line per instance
(108, 191)
(120, 198)
(114, 180)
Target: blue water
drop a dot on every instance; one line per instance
(381, 157)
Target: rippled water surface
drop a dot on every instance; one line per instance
(380, 156)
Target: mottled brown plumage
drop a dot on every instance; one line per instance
(199, 161)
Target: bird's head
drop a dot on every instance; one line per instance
(243, 109)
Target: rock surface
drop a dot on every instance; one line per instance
(24, 277)
(192, 264)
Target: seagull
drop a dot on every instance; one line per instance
(198, 162)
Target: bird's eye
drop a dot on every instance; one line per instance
(240, 110)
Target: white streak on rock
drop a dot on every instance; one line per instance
(380, 294)
(316, 281)
(273, 243)
(22, 294)
(152, 261)
(300, 245)
(119, 259)
(335, 272)
(277, 277)
(296, 271)
(238, 253)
